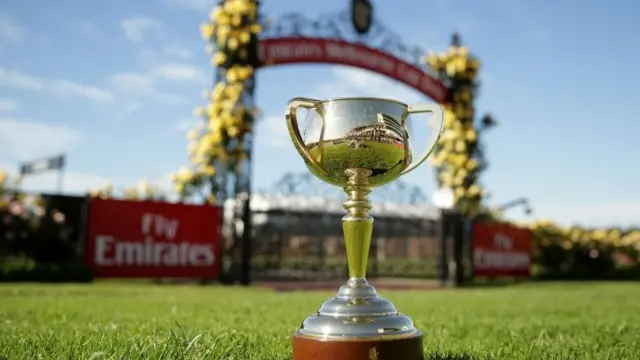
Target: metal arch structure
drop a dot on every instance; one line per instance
(330, 39)
(338, 26)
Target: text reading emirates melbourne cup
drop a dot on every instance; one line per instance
(314, 50)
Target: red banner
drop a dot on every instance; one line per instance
(291, 50)
(501, 250)
(139, 239)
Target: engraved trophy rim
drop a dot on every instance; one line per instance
(351, 98)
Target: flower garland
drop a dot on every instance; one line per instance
(457, 158)
(217, 142)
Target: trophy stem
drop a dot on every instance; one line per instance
(357, 225)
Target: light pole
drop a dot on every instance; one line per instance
(524, 202)
(450, 271)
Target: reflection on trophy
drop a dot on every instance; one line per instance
(358, 144)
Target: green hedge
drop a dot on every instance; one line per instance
(585, 262)
(45, 273)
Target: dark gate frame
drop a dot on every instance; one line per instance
(349, 31)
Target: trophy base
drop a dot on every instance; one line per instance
(309, 348)
(357, 324)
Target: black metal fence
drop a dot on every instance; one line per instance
(298, 236)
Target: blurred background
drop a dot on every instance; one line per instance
(157, 101)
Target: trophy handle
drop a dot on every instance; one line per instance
(294, 129)
(439, 119)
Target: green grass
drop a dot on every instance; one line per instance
(139, 321)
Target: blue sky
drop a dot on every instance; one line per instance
(113, 84)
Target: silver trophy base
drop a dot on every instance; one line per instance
(357, 312)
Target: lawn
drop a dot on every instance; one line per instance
(141, 321)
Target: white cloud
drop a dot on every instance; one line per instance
(71, 88)
(179, 52)
(272, 130)
(185, 124)
(183, 72)
(196, 5)
(521, 13)
(147, 56)
(537, 32)
(23, 139)
(84, 27)
(17, 79)
(142, 85)
(130, 107)
(347, 81)
(138, 28)
(76, 183)
(134, 82)
(148, 84)
(622, 213)
(164, 182)
(80, 183)
(7, 105)
(10, 31)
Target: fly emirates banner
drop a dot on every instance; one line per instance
(142, 239)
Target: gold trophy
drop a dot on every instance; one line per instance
(358, 144)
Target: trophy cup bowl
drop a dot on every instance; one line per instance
(358, 144)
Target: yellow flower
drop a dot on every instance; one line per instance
(255, 28)
(447, 145)
(471, 164)
(471, 135)
(144, 186)
(208, 170)
(437, 160)
(200, 111)
(219, 58)
(244, 37)
(460, 160)
(216, 13)
(192, 135)
(206, 30)
(131, 193)
(233, 44)
(598, 234)
(474, 190)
